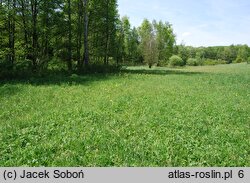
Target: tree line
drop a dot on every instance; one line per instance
(213, 55)
(77, 33)
(74, 34)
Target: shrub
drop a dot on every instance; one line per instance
(163, 63)
(176, 61)
(57, 64)
(248, 60)
(239, 60)
(24, 65)
(211, 62)
(192, 62)
(220, 61)
(214, 62)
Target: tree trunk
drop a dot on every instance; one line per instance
(106, 57)
(69, 37)
(86, 49)
(11, 31)
(34, 9)
(24, 24)
(46, 45)
(79, 35)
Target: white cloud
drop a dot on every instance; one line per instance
(197, 23)
(185, 34)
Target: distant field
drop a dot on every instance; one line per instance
(196, 116)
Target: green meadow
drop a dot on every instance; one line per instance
(193, 116)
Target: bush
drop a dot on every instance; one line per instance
(214, 62)
(192, 62)
(239, 60)
(24, 65)
(176, 61)
(57, 64)
(220, 61)
(211, 62)
(248, 60)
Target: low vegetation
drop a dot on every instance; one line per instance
(176, 61)
(193, 62)
(196, 116)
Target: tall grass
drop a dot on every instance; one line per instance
(197, 116)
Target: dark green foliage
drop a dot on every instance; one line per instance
(41, 31)
(176, 61)
(77, 32)
(74, 32)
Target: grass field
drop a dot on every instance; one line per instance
(196, 116)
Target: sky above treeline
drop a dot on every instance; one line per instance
(195, 22)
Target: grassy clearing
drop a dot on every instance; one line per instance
(197, 116)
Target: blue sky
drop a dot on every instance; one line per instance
(196, 22)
